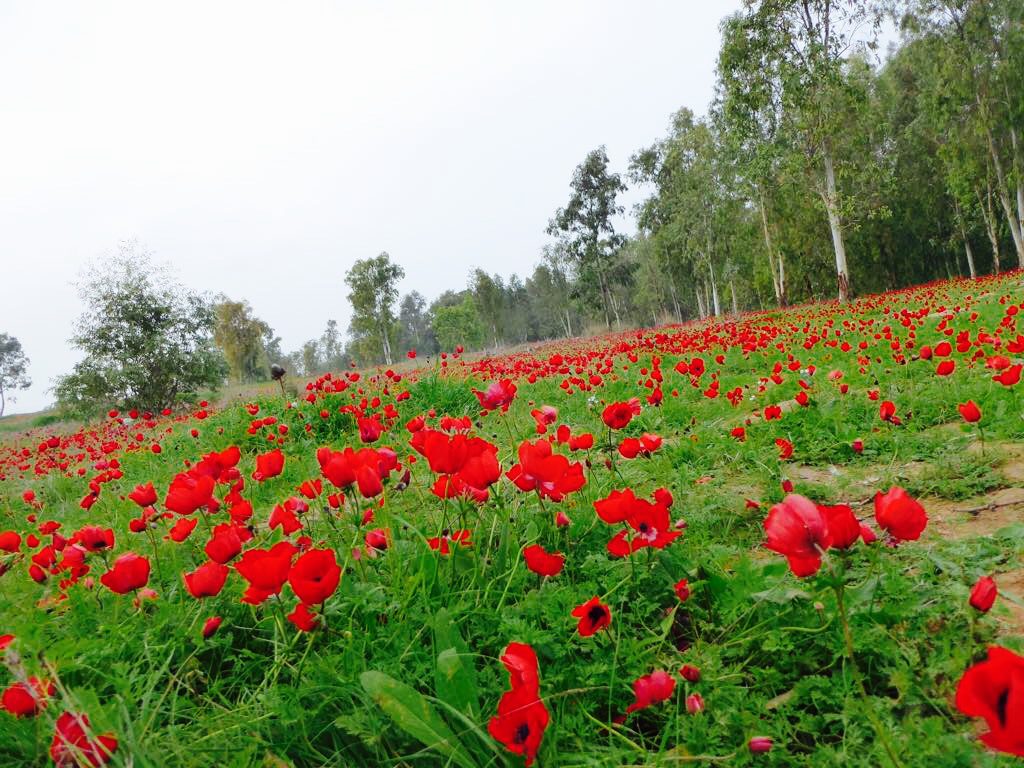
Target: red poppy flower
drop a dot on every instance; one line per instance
(499, 394)
(970, 412)
(94, 538)
(797, 530)
(945, 368)
(266, 570)
(522, 717)
(366, 468)
(631, 447)
(10, 541)
(27, 699)
(188, 492)
(887, 410)
(444, 542)
(843, 525)
(651, 689)
(552, 475)
(994, 689)
(129, 572)
(210, 626)
(1010, 376)
(649, 521)
(284, 517)
(618, 415)
(226, 542)
(303, 619)
(182, 529)
(785, 448)
(593, 616)
(207, 580)
(616, 507)
(71, 744)
(542, 562)
(315, 576)
(682, 590)
(520, 723)
(143, 495)
(521, 662)
(983, 594)
(268, 465)
(900, 515)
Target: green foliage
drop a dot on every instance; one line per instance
(458, 325)
(373, 290)
(13, 364)
(241, 336)
(147, 342)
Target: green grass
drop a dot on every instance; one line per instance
(770, 647)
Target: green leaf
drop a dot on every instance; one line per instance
(411, 712)
(455, 676)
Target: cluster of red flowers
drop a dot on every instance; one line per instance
(522, 717)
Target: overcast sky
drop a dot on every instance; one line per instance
(261, 148)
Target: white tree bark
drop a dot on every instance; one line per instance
(831, 200)
(714, 289)
(777, 279)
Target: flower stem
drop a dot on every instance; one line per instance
(840, 590)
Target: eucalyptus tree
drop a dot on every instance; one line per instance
(373, 291)
(586, 228)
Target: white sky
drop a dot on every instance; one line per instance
(261, 148)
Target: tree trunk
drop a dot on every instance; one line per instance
(714, 289)
(1017, 166)
(675, 300)
(1003, 191)
(735, 306)
(700, 302)
(967, 243)
(991, 226)
(3, 401)
(777, 279)
(831, 200)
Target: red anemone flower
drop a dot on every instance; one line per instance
(71, 744)
(188, 492)
(900, 515)
(593, 616)
(994, 689)
(27, 699)
(983, 594)
(618, 415)
(970, 412)
(522, 717)
(143, 495)
(797, 530)
(446, 540)
(315, 576)
(499, 394)
(541, 562)
(266, 570)
(552, 475)
(651, 689)
(520, 723)
(268, 465)
(129, 572)
(207, 580)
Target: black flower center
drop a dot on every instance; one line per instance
(521, 734)
(596, 614)
(1001, 706)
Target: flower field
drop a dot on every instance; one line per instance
(786, 538)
